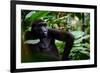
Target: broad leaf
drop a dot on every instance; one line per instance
(77, 34)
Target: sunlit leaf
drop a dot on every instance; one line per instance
(80, 39)
(32, 16)
(78, 34)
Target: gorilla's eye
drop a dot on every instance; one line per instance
(42, 24)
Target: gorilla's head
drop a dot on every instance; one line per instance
(39, 28)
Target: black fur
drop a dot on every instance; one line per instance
(47, 46)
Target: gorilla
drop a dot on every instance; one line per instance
(40, 43)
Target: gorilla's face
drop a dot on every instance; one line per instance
(39, 29)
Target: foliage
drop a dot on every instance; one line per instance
(76, 23)
(80, 50)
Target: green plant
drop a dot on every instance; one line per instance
(80, 50)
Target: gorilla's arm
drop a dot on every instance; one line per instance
(63, 36)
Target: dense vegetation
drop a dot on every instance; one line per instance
(76, 23)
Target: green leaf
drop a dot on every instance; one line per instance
(77, 34)
(85, 52)
(60, 45)
(87, 45)
(79, 15)
(78, 48)
(29, 14)
(77, 45)
(32, 16)
(79, 54)
(80, 39)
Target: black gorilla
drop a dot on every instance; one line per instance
(45, 49)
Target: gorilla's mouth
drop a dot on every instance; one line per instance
(42, 35)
